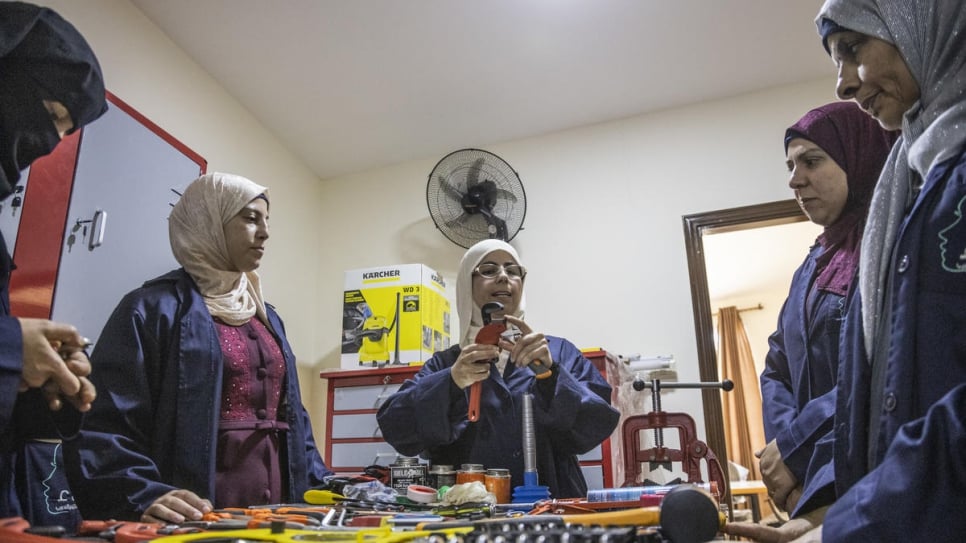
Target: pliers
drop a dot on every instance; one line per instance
(539, 369)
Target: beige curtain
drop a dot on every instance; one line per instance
(744, 433)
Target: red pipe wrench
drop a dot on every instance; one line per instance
(488, 335)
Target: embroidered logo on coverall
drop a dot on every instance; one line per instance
(953, 245)
(62, 501)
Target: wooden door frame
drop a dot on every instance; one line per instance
(695, 227)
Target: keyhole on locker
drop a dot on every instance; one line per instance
(81, 224)
(72, 238)
(17, 199)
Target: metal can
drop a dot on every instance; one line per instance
(497, 482)
(406, 471)
(441, 475)
(469, 473)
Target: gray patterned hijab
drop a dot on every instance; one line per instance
(931, 37)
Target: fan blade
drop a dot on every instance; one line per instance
(450, 190)
(504, 194)
(458, 220)
(473, 177)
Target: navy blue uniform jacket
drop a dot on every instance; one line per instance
(915, 485)
(571, 411)
(798, 383)
(158, 371)
(24, 415)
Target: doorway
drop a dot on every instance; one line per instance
(696, 226)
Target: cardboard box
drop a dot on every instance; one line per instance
(393, 315)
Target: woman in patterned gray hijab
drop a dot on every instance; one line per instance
(929, 35)
(899, 431)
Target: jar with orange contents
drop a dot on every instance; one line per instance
(469, 473)
(497, 482)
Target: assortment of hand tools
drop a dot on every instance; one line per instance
(687, 515)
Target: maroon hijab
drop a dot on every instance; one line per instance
(859, 146)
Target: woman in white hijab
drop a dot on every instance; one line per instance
(899, 430)
(200, 405)
(571, 407)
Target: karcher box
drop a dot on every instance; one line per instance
(393, 315)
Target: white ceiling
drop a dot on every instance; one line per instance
(350, 85)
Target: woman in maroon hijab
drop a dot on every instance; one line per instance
(834, 156)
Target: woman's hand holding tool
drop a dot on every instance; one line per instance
(527, 348)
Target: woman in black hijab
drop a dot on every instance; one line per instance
(43, 59)
(50, 86)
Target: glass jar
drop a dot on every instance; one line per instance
(441, 475)
(469, 473)
(497, 482)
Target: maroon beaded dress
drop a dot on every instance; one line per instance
(251, 433)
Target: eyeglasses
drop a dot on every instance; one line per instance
(490, 270)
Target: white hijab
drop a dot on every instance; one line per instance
(931, 37)
(471, 318)
(196, 228)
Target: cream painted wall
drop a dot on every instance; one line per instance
(603, 235)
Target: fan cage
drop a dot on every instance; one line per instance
(452, 177)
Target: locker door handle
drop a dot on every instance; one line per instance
(97, 230)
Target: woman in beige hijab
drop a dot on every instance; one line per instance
(571, 406)
(200, 405)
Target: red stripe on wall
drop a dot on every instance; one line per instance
(161, 133)
(41, 233)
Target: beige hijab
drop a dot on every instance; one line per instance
(196, 229)
(471, 318)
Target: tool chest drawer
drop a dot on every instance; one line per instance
(363, 425)
(362, 397)
(353, 439)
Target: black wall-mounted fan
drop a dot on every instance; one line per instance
(474, 195)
